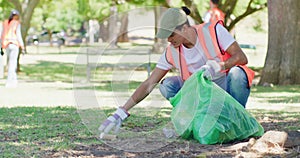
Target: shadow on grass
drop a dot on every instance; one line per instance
(287, 88)
(39, 131)
(278, 120)
(28, 131)
(59, 132)
(277, 94)
(47, 71)
(116, 86)
(124, 66)
(285, 99)
(55, 53)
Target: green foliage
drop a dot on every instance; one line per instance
(146, 2)
(56, 16)
(258, 26)
(241, 6)
(202, 6)
(5, 8)
(60, 14)
(83, 7)
(94, 9)
(243, 9)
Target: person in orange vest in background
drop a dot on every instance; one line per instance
(214, 14)
(207, 47)
(11, 40)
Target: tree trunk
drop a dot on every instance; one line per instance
(104, 31)
(112, 26)
(26, 10)
(157, 12)
(283, 57)
(123, 35)
(159, 44)
(50, 37)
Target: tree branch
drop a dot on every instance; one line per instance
(249, 11)
(17, 4)
(27, 14)
(194, 11)
(228, 7)
(249, 5)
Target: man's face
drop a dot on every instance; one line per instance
(176, 38)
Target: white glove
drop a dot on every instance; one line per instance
(114, 121)
(211, 68)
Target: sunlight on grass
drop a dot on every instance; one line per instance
(42, 128)
(288, 88)
(38, 131)
(47, 71)
(277, 94)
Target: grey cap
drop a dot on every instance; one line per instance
(14, 12)
(172, 18)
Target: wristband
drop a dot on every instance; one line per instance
(122, 113)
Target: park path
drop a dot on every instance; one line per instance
(49, 94)
(59, 93)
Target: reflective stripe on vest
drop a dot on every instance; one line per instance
(209, 45)
(9, 34)
(176, 58)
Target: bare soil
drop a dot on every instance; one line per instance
(188, 148)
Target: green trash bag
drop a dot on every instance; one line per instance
(204, 111)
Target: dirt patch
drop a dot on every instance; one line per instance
(175, 149)
(184, 148)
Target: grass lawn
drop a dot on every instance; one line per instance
(34, 131)
(44, 132)
(39, 132)
(48, 71)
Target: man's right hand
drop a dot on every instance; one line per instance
(211, 68)
(114, 121)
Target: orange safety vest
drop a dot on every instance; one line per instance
(209, 45)
(9, 33)
(216, 15)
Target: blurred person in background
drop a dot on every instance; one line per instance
(214, 14)
(11, 41)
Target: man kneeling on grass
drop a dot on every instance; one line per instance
(207, 47)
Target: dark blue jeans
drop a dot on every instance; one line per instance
(237, 85)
